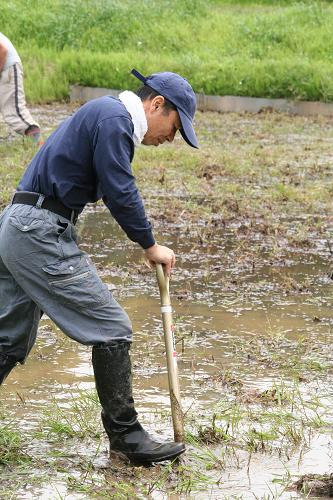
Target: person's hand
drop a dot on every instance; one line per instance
(158, 254)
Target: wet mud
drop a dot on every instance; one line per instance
(252, 300)
(316, 485)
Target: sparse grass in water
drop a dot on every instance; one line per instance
(12, 447)
(278, 419)
(81, 419)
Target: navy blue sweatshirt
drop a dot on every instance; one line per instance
(88, 158)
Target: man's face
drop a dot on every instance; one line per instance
(162, 125)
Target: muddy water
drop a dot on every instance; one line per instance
(227, 303)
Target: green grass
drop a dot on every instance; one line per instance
(11, 447)
(274, 420)
(262, 48)
(13, 157)
(80, 420)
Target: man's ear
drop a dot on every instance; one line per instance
(157, 102)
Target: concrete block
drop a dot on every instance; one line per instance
(225, 104)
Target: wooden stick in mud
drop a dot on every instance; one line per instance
(171, 354)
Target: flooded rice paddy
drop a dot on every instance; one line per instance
(254, 327)
(251, 341)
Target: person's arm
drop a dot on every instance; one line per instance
(113, 151)
(3, 56)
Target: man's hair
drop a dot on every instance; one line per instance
(146, 93)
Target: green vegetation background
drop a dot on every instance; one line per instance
(265, 48)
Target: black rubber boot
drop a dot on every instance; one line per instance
(128, 439)
(7, 363)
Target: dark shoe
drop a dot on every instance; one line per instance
(112, 368)
(34, 133)
(7, 363)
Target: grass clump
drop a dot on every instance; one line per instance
(248, 422)
(263, 48)
(80, 420)
(11, 447)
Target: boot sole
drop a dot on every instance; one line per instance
(143, 460)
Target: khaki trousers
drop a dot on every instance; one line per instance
(12, 100)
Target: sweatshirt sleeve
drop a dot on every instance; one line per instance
(113, 152)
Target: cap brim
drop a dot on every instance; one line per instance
(187, 130)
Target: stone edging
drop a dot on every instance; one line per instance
(224, 104)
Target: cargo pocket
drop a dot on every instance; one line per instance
(25, 224)
(74, 282)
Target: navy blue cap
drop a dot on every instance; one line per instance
(180, 93)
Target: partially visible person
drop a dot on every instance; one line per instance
(12, 98)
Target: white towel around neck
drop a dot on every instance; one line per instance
(134, 106)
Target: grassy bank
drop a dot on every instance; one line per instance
(263, 48)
